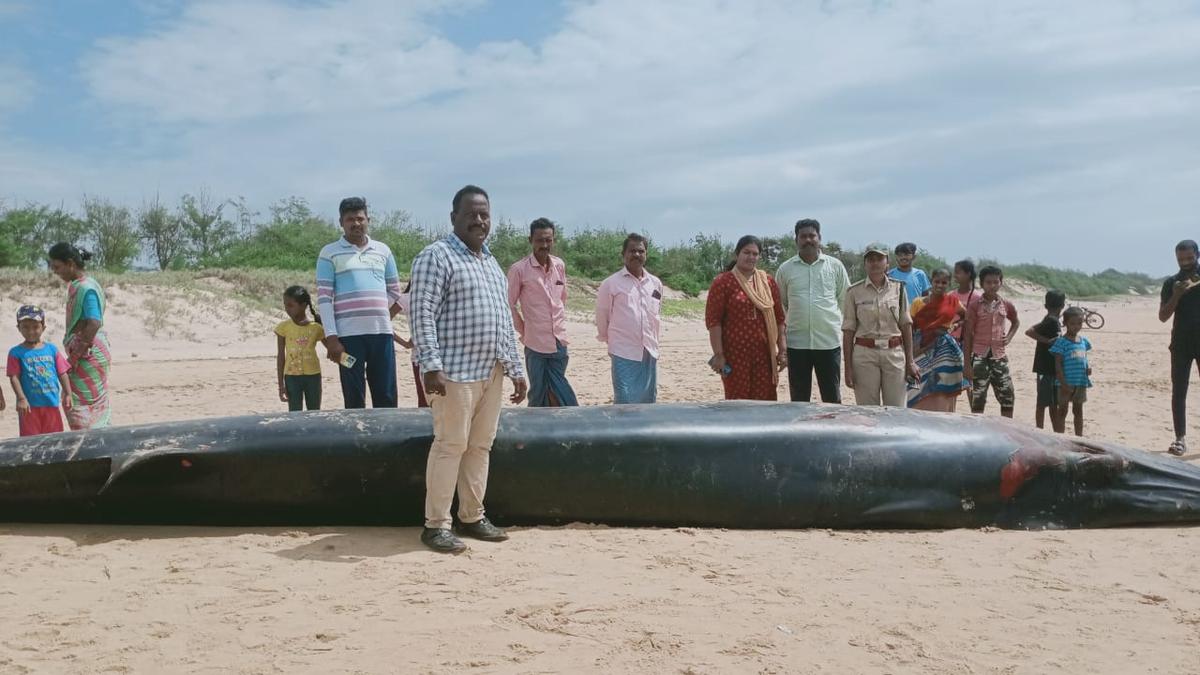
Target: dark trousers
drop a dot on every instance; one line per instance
(376, 364)
(1184, 351)
(301, 390)
(828, 365)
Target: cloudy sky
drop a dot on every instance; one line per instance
(1064, 132)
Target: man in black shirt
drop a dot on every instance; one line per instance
(1045, 333)
(1179, 300)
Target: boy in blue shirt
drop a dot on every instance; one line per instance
(38, 374)
(1071, 363)
(915, 280)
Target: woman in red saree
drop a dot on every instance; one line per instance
(937, 353)
(745, 323)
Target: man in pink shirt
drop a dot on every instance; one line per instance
(627, 318)
(537, 296)
(991, 324)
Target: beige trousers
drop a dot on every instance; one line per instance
(879, 376)
(464, 426)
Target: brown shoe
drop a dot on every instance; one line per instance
(483, 530)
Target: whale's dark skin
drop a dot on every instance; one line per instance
(743, 465)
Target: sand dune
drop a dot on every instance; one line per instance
(145, 599)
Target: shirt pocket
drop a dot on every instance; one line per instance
(653, 304)
(868, 315)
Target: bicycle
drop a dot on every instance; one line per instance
(1092, 319)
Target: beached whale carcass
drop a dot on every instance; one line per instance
(729, 464)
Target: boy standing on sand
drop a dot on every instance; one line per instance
(1046, 333)
(991, 324)
(1071, 365)
(1180, 300)
(915, 280)
(38, 374)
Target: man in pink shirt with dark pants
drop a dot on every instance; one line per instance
(537, 296)
(627, 318)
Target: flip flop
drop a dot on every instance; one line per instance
(1178, 448)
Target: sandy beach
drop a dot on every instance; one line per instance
(100, 599)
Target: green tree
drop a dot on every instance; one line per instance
(691, 267)
(776, 250)
(163, 232)
(26, 233)
(508, 243)
(592, 253)
(851, 259)
(203, 221)
(9, 251)
(113, 233)
(290, 241)
(405, 238)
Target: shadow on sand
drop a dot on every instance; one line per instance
(325, 544)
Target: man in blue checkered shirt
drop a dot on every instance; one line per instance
(463, 333)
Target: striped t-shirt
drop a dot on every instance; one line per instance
(356, 288)
(1075, 360)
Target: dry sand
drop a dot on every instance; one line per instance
(583, 598)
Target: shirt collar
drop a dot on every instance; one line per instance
(458, 244)
(821, 257)
(536, 265)
(887, 281)
(645, 274)
(346, 242)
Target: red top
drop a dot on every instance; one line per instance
(990, 322)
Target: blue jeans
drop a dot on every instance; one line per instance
(375, 367)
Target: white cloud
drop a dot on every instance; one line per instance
(13, 7)
(947, 121)
(16, 88)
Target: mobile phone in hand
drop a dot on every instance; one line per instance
(725, 370)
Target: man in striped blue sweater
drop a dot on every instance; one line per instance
(358, 291)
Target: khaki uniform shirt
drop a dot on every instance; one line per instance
(874, 312)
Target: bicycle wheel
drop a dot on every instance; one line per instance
(1094, 320)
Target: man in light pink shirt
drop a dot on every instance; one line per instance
(627, 318)
(537, 296)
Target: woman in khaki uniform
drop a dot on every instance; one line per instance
(877, 335)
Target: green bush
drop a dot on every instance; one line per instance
(692, 266)
(593, 254)
(1078, 284)
(294, 235)
(405, 241)
(291, 241)
(27, 233)
(283, 246)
